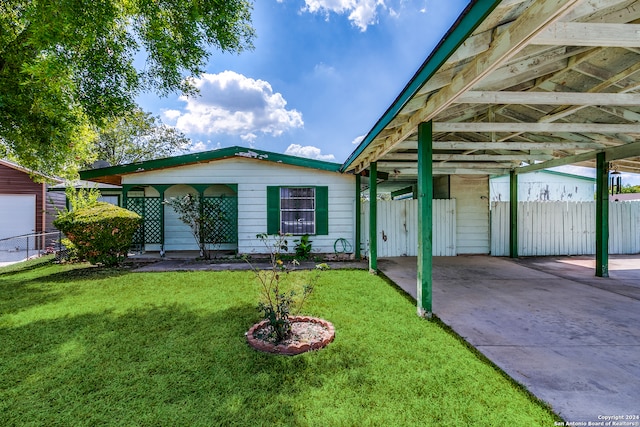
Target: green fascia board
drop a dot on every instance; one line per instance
(469, 20)
(568, 175)
(207, 156)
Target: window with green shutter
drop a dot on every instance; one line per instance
(298, 210)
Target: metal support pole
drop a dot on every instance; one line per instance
(513, 215)
(425, 219)
(602, 216)
(358, 213)
(373, 217)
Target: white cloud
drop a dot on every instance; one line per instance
(230, 103)
(362, 13)
(198, 147)
(171, 115)
(323, 70)
(309, 152)
(358, 139)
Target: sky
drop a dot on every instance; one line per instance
(321, 74)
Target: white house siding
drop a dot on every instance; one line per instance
(252, 178)
(472, 206)
(544, 186)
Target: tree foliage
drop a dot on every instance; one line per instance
(138, 136)
(67, 66)
(630, 188)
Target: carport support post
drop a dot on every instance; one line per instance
(356, 248)
(602, 216)
(373, 217)
(425, 221)
(513, 214)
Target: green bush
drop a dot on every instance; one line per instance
(102, 233)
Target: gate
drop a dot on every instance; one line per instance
(398, 227)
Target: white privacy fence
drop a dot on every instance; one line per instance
(397, 222)
(564, 228)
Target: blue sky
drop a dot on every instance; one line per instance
(321, 74)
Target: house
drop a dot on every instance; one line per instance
(514, 87)
(25, 206)
(257, 191)
(545, 185)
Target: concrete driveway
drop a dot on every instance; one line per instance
(570, 338)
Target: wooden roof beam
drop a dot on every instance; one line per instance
(611, 154)
(505, 145)
(589, 34)
(549, 98)
(537, 127)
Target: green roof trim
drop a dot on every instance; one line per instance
(468, 21)
(207, 156)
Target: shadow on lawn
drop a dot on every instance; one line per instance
(162, 365)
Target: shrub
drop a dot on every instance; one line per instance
(101, 233)
(303, 247)
(279, 297)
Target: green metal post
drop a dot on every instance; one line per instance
(162, 205)
(373, 217)
(602, 216)
(513, 217)
(425, 221)
(358, 219)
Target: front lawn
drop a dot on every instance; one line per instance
(89, 346)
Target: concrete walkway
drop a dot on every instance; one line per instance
(570, 338)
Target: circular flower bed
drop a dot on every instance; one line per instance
(307, 333)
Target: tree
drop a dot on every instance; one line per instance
(630, 188)
(138, 136)
(68, 66)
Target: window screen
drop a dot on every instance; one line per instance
(298, 210)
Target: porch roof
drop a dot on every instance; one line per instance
(519, 85)
(113, 174)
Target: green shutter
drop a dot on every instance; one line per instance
(273, 210)
(322, 210)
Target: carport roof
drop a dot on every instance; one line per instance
(519, 85)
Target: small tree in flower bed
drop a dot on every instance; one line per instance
(281, 298)
(100, 232)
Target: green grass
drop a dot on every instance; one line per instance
(89, 346)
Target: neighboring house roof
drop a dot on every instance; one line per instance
(543, 82)
(29, 172)
(79, 184)
(113, 174)
(624, 197)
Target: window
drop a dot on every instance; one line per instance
(297, 210)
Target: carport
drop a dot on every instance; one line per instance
(515, 86)
(573, 342)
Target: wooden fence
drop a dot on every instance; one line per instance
(565, 228)
(398, 227)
